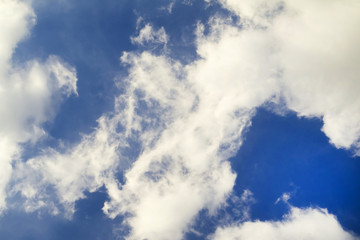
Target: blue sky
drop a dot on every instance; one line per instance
(178, 119)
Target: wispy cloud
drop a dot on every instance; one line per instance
(29, 92)
(189, 119)
(148, 35)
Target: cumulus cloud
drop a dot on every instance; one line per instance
(187, 120)
(309, 223)
(29, 92)
(197, 131)
(316, 53)
(206, 105)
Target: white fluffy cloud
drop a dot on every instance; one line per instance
(16, 18)
(314, 46)
(85, 167)
(206, 105)
(195, 124)
(29, 92)
(299, 224)
(189, 119)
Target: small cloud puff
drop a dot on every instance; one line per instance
(148, 35)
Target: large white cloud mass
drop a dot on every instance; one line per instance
(314, 46)
(29, 92)
(298, 224)
(187, 120)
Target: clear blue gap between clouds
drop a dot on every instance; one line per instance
(287, 154)
(88, 222)
(291, 154)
